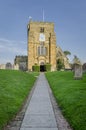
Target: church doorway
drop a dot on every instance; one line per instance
(42, 67)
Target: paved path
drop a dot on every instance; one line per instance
(39, 114)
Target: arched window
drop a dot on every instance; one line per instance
(42, 50)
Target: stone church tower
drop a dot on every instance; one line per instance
(41, 45)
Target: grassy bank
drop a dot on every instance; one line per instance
(71, 97)
(14, 88)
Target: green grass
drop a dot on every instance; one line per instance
(71, 97)
(14, 88)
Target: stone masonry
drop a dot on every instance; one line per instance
(41, 44)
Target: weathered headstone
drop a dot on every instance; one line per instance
(77, 71)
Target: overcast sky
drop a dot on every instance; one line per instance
(69, 17)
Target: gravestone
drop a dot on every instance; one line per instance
(77, 71)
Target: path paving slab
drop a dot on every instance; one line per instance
(39, 114)
(39, 129)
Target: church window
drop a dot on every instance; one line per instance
(41, 30)
(46, 50)
(42, 50)
(39, 50)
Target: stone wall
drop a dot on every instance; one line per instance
(14, 67)
(61, 55)
(2, 66)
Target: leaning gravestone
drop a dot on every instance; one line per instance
(77, 71)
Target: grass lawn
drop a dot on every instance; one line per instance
(71, 97)
(14, 88)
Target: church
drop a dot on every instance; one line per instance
(41, 45)
(42, 48)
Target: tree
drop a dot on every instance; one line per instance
(8, 65)
(84, 67)
(67, 53)
(60, 64)
(76, 60)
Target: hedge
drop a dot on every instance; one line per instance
(48, 67)
(36, 68)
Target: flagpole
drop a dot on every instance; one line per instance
(43, 15)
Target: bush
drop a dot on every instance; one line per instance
(36, 68)
(60, 64)
(48, 67)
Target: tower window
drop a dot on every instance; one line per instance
(41, 30)
(42, 50)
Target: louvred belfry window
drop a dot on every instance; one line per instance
(41, 29)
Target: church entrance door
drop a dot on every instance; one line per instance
(42, 67)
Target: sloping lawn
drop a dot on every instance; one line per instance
(71, 97)
(14, 88)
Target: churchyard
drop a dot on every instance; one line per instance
(14, 88)
(70, 95)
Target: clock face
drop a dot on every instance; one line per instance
(41, 37)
